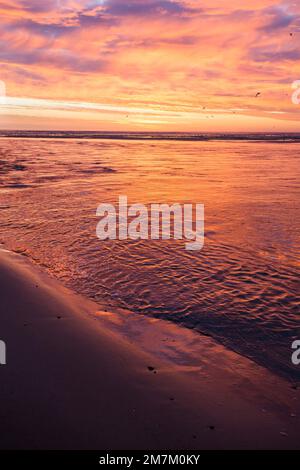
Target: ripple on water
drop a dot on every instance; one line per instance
(242, 288)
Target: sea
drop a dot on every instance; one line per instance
(242, 288)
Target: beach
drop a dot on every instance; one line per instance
(241, 288)
(149, 230)
(73, 380)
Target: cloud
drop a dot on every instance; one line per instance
(272, 55)
(179, 54)
(44, 29)
(37, 6)
(278, 18)
(24, 74)
(127, 42)
(62, 58)
(87, 19)
(147, 7)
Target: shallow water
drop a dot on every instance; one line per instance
(242, 288)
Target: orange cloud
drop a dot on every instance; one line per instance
(159, 64)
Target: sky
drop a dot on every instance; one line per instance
(149, 65)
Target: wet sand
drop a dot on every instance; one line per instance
(78, 377)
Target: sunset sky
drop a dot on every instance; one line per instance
(150, 65)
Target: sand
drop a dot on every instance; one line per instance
(78, 377)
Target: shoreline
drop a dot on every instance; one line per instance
(80, 377)
(255, 137)
(124, 322)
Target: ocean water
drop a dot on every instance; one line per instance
(242, 288)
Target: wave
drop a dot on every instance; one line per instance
(173, 136)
